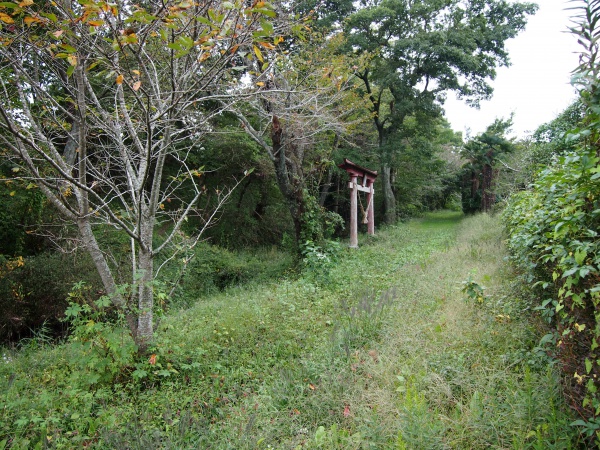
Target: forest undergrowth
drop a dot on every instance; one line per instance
(422, 338)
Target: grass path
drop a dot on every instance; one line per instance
(382, 351)
(388, 352)
(456, 373)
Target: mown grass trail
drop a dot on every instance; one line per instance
(383, 351)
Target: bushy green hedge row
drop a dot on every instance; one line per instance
(553, 231)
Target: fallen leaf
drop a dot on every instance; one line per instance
(152, 359)
(119, 79)
(373, 354)
(347, 411)
(137, 85)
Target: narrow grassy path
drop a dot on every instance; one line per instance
(387, 352)
(382, 351)
(452, 372)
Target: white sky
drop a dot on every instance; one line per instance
(537, 84)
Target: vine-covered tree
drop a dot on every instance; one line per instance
(98, 96)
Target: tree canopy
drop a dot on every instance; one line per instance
(418, 52)
(99, 97)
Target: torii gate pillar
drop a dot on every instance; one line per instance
(361, 179)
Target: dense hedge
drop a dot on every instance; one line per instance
(554, 237)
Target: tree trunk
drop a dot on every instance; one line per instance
(145, 299)
(145, 275)
(289, 175)
(108, 281)
(389, 200)
(326, 187)
(488, 196)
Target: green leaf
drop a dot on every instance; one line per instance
(265, 12)
(580, 256)
(267, 26)
(579, 423)
(205, 21)
(139, 374)
(588, 365)
(50, 16)
(68, 48)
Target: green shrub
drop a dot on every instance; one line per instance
(33, 290)
(100, 345)
(212, 269)
(554, 239)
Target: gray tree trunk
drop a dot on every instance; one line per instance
(145, 298)
(108, 281)
(145, 275)
(389, 200)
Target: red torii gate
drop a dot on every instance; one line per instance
(366, 177)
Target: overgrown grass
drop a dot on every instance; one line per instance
(389, 353)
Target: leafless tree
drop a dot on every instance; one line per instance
(98, 97)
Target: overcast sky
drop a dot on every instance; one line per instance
(537, 84)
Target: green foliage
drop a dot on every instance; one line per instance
(22, 211)
(335, 437)
(553, 232)
(555, 138)
(318, 224)
(480, 173)
(209, 269)
(423, 151)
(256, 215)
(416, 53)
(33, 290)
(357, 323)
(317, 249)
(384, 355)
(473, 290)
(554, 238)
(101, 347)
(318, 260)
